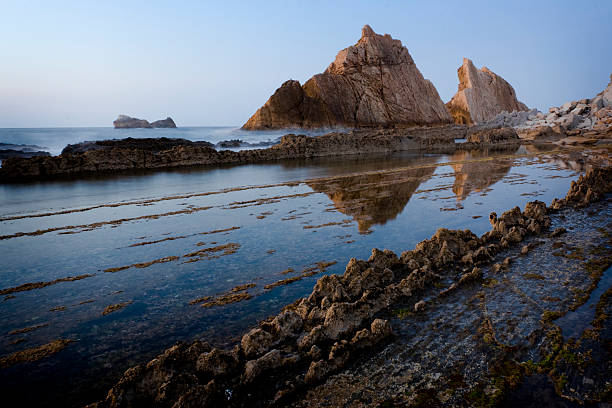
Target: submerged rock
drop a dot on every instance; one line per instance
(375, 82)
(482, 94)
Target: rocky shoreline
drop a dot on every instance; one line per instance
(141, 154)
(346, 316)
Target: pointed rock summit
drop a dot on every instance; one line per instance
(482, 94)
(372, 83)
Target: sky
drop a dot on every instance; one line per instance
(82, 63)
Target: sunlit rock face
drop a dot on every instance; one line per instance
(481, 95)
(372, 83)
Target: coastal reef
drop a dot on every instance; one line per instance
(372, 83)
(127, 122)
(481, 95)
(129, 154)
(348, 316)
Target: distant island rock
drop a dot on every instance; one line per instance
(127, 122)
(481, 95)
(373, 83)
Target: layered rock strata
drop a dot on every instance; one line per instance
(320, 334)
(142, 154)
(481, 95)
(127, 122)
(373, 83)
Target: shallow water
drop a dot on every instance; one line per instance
(574, 323)
(162, 240)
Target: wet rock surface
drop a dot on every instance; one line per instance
(468, 349)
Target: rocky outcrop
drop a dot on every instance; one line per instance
(164, 123)
(139, 154)
(373, 83)
(482, 94)
(147, 144)
(319, 335)
(594, 114)
(492, 135)
(127, 122)
(8, 150)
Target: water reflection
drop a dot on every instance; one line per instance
(376, 198)
(472, 174)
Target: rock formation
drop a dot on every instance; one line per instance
(164, 123)
(373, 83)
(127, 122)
(585, 114)
(482, 94)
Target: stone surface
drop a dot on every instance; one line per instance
(482, 94)
(373, 83)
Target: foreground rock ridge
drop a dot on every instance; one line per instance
(481, 95)
(342, 318)
(127, 122)
(374, 82)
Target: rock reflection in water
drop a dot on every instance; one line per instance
(473, 174)
(376, 198)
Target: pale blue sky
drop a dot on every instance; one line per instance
(81, 63)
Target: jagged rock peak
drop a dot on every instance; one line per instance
(372, 83)
(481, 95)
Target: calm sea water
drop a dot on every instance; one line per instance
(54, 140)
(158, 241)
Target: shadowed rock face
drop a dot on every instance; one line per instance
(481, 95)
(373, 83)
(375, 198)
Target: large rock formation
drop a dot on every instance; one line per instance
(373, 83)
(482, 94)
(127, 122)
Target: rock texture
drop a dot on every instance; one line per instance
(373, 83)
(127, 122)
(482, 94)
